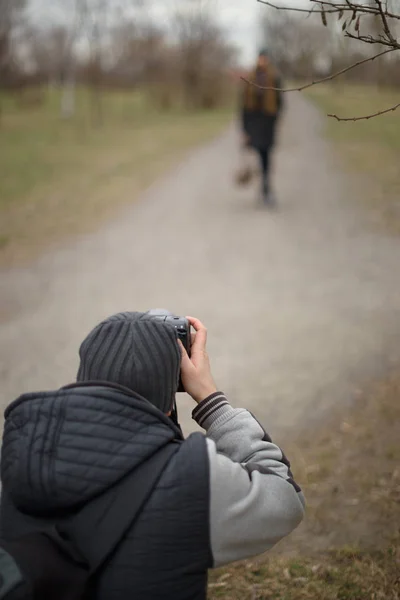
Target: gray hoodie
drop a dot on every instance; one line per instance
(254, 500)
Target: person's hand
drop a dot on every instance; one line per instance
(196, 371)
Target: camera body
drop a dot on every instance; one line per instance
(181, 325)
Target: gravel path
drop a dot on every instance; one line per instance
(302, 304)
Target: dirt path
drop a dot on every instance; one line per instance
(301, 304)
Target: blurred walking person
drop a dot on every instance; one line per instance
(260, 110)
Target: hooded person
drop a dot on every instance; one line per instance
(222, 497)
(261, 106)
(136, 351)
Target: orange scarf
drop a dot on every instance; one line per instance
(269, 102)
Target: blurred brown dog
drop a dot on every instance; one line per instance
(248, 167)
(244, 175)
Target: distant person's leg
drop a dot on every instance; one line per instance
(265, 162)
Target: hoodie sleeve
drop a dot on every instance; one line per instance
(254, 501)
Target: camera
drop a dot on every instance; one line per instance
(181, 325)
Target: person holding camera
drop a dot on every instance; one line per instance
(101, 469)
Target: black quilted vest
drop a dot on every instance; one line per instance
(62, 448)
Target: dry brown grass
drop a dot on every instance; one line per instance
(63, 178)
(345, 574)
(349, 545)
(371, 148)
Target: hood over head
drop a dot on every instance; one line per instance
(62, 448)
(137, 351)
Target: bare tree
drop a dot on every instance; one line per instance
(299, 47)
(77, 19)
(104, 19)
(372, 23)
(53, 47)
(203, 54)
(80, 30)
(10, 11)
(49, 52)
(118, 42)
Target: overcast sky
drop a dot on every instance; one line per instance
(239, 18)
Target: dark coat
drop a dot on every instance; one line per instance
(62, 448)
(257, 124)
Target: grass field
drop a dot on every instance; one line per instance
(343, 574)
(61, 177)
(370, 147)
(348, 548)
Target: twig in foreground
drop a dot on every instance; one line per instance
(385, 24)
(334, 8)
(366, 117)
(308, 11)
(324, 79)
(360, 7)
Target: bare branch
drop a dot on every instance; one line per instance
(385, 24)
(383, 33)
(366, 117)
(300, 10)
(369, 39)
(334, 8)
(367, 9)
(324, 79)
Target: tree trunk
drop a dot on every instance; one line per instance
(68, 98)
